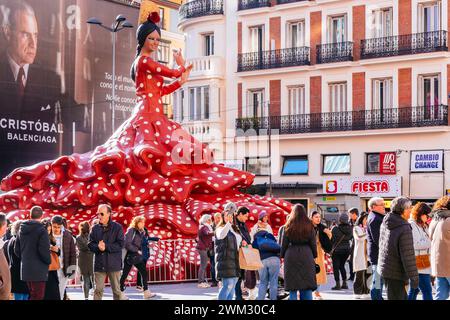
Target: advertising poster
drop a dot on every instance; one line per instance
(388, 163)
(379, 186)
(56, 77)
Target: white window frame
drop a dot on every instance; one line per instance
(436, 25)
(387, 101)
(382, 22)
(433, 100)
(254, 38)
(337, 93)
(208, 38)
(300, 34)
(196, 107)
(261, 110)
(297, 100)
(332, 34)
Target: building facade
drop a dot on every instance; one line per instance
(355, 94)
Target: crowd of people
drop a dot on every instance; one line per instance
(39, 256)
(405, 251)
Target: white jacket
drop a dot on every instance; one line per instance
(422, 242)
(359, 254)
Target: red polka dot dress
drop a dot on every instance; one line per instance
(150, 166)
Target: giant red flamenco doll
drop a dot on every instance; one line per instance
(150, 166)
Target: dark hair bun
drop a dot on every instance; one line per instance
(153, 17)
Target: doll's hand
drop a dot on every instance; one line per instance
(178, 57)
(185, 75)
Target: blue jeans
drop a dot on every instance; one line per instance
(268, 276)
(304, 295)
(227, 290)
(424, 286)
(376, 292)
(21, 296)
(442, 288)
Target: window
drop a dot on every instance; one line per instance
(166, 101)
(161, 15)
(382, 94)
(209, 44)
(257, 39)
(336, 163)
(296, 34)
(163, 54)
(296, 97)
(429, 16)
(198, 103)
(258, 166)
(429, 96)
(337, 29)
(338, 97)
(382, 25)
(373, 163)
(255, 103)
(295, 165)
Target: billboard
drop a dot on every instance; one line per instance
(377, 186)
(56, 77)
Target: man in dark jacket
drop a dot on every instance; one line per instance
(241, 218)
(5, 276)
(33, 248)
(106, 241)
(396, 259)
(353, 213)
(376, 215)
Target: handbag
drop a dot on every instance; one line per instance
(54, 262)
(249, 259)
(423, 261)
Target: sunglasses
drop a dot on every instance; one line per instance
(100, 214)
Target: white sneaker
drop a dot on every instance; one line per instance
(148, 295)
(204, 285)
(253, 294)
(124, 297)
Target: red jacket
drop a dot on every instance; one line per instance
(204, 240)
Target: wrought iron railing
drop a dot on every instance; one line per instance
(289, 1)
(428, 116)
(335, 52)
(201, 8)
(251, 4)
(404, 44)
(273, 59)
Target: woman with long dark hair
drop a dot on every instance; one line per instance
(299, 249)
(228, 240)
(360, 257)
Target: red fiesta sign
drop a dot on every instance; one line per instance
(388, 163)
(370, 186)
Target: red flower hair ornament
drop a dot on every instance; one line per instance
(153, 17)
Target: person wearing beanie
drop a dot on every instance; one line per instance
(340, 252)
(261, 224)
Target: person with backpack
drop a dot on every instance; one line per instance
(341, 236)
(269, 251)
(136, 245)
(323, 239)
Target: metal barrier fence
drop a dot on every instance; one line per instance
(172, 261)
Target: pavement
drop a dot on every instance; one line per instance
(189, 291)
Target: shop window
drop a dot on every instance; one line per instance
(373, 163)
(336, 164)
(295, 165)
(258, 166)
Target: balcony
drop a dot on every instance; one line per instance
(204, 130)
(252, 4)
(404, 44)
(335, 52)
(200, 8)
(350, 120)
(289, 1)
(207, 67)
(270, 59)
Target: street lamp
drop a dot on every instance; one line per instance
(119, 24)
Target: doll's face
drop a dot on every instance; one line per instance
(152, 41)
